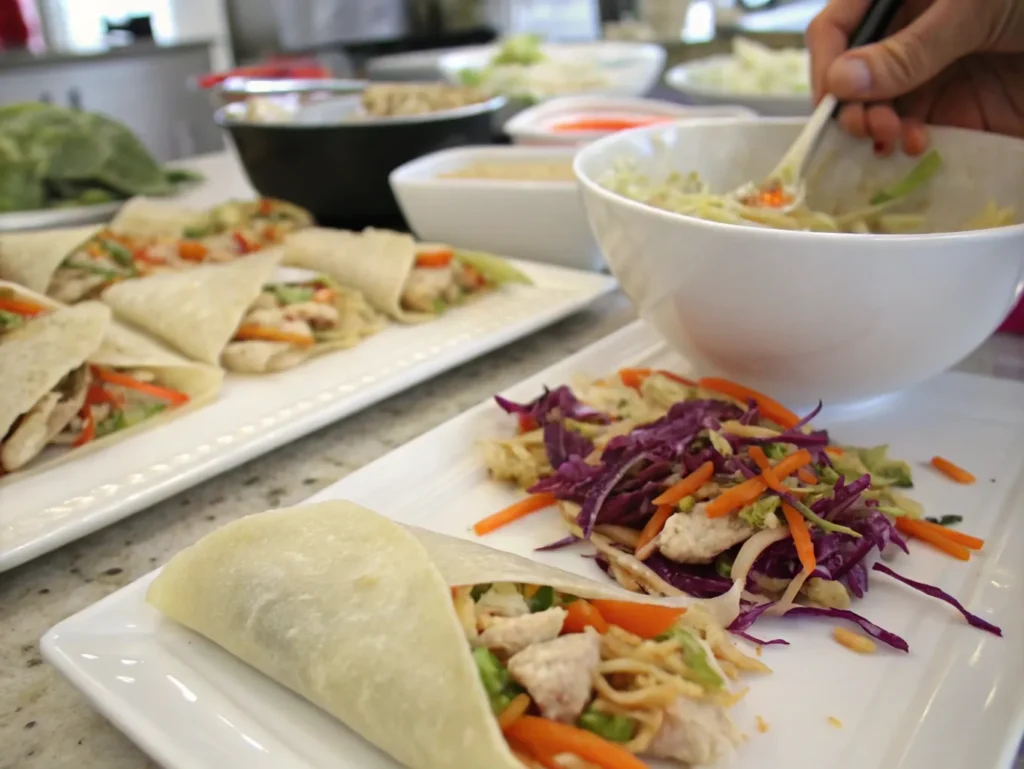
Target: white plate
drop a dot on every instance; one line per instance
(681, 78)
(257, 414)
(59, 217)
(488, 214)
(955, 701)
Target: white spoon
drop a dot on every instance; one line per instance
(784, 188)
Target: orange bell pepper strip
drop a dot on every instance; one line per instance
(952, 471)
(770, 409)
(581, 614)
(750, 490)
(514, 512)
(687, 485)
(640, 619)
(123, 380)
(934, 537)
(250, 332)
(438, 257)
(544, 738)
(24, 307)
(801, 538)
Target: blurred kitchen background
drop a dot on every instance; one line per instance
(149, 63)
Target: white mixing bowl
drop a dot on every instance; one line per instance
(804, 315)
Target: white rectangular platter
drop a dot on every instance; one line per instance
(256, 414)
(956, 700)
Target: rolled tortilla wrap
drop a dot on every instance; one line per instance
(119, 349)
(149, 218)
(374, 262)
(354, 612)
(196, 311)
(32, 258)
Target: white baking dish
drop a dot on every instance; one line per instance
(541, 221)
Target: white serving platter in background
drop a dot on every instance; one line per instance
(956, 700)
(257, 414)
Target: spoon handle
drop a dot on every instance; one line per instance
(873, 27)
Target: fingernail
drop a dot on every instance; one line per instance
(850, 77)
(879, 148)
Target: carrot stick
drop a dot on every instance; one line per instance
(634, 377)
(640, 619)
(581, 614)
(653, 527)
(514, 512)
(250, 332)
(676, 378)
(767, 472)
(807, 476)
(951, 470)
(123, 380)
(514, 710)
(192, 251)
(938, 539)
(440, 257)
(834, 451)
(88, 428)
(801, 538)
(528, 759)
(550, 738)
(770, 409)
(750, 490)
(971, 543)
(25, 307)
(687, 485)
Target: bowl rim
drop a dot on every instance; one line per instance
(590, 186)
(224, 119)
(675, 77)
(413, 173)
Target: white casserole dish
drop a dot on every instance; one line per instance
(543, 221)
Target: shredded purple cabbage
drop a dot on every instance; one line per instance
(558, 544)
(867, 626)
(759, 642)
(562, 444)
(556, 404)
(930, 590)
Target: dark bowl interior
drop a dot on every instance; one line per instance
(340, 172)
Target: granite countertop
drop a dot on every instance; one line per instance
(19, 59)
(46, 724)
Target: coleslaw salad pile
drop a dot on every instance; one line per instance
(706, 488)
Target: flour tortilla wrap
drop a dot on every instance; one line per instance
(194, 311)
(148, 218)
(375, 262)
(32, 258)
(354, 612)
(37, 356)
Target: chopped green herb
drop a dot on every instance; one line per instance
(774, 451)
(10, 321)
(542, 600)
(723, 564)
(947, 520)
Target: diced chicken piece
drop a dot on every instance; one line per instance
(558, 673)
(259, 357)
(502, 602)
(45, 421)
(513, 634)
(425, 286)
(316, 314)
(695, 732)
(694, 538)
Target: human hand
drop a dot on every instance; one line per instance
(946, 62)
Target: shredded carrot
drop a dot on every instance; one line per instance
(687, 485)
(123, 380)
(959, 537)
(324, 295)
(514, 711)
(252, 332)
(542, 737)
(528, 759)
(440, 257)
(514, 512)
(640, 619)
(939, 539)
(242, 243)
(581, 614)
(801, 538)
(767, 471)
(192, 251)
(676, 378)
(953, 471)
(24, 307)
(527, 423)
(806, 476)
(141, 255)
(635, 377)
(88, 428)
(653, 527)
(265, 206)
(770, 409)
(750, 490)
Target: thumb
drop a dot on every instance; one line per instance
(907, 59)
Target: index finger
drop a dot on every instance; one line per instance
(828, 36)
